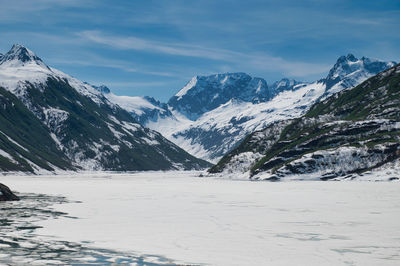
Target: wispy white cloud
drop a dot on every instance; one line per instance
(135, 43)
(259, 61)
(23, 10)
(97, 61)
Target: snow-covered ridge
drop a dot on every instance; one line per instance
(187, 87)
(18, 55)
(20, 66)
(350, 71)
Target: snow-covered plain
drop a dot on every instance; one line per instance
(194, 220)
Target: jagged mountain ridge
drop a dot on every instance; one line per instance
(350, 71)
(217, 126)
(205, 93)
(349, 133)
(53, 122)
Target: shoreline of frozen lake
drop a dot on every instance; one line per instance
(187, 219)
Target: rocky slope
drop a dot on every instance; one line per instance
(212, 114)
(343, 136)
(51, 121)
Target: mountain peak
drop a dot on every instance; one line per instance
(349, 71)
(204, 93)
(22, 54)
(345, 59)
(351, 57)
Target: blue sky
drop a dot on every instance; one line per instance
(154, 47)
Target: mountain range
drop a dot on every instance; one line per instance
(211, 115)
(50, 121)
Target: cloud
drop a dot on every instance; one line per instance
(140, 44)
(23, 10)
(241, 60)
(96, 61)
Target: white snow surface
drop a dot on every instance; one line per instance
(8, 156)
(223, 222)
(134, 104)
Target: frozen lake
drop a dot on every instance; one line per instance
(176, 217)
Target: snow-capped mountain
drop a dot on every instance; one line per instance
(345, 136)
(51, 121)
(205, 93)
(212, 114)
(350, 71)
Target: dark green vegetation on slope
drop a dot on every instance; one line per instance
(361, 123)
(31, 139)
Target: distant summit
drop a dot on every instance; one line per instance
(205, 93)
(350, 71)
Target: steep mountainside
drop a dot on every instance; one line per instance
(347, 134)
(51, 121)
(211, 115)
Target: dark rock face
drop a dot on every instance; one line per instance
(6, 193)
(102, 88)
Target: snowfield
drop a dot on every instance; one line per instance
(211, 221)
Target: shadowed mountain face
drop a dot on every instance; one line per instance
(51, 121)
